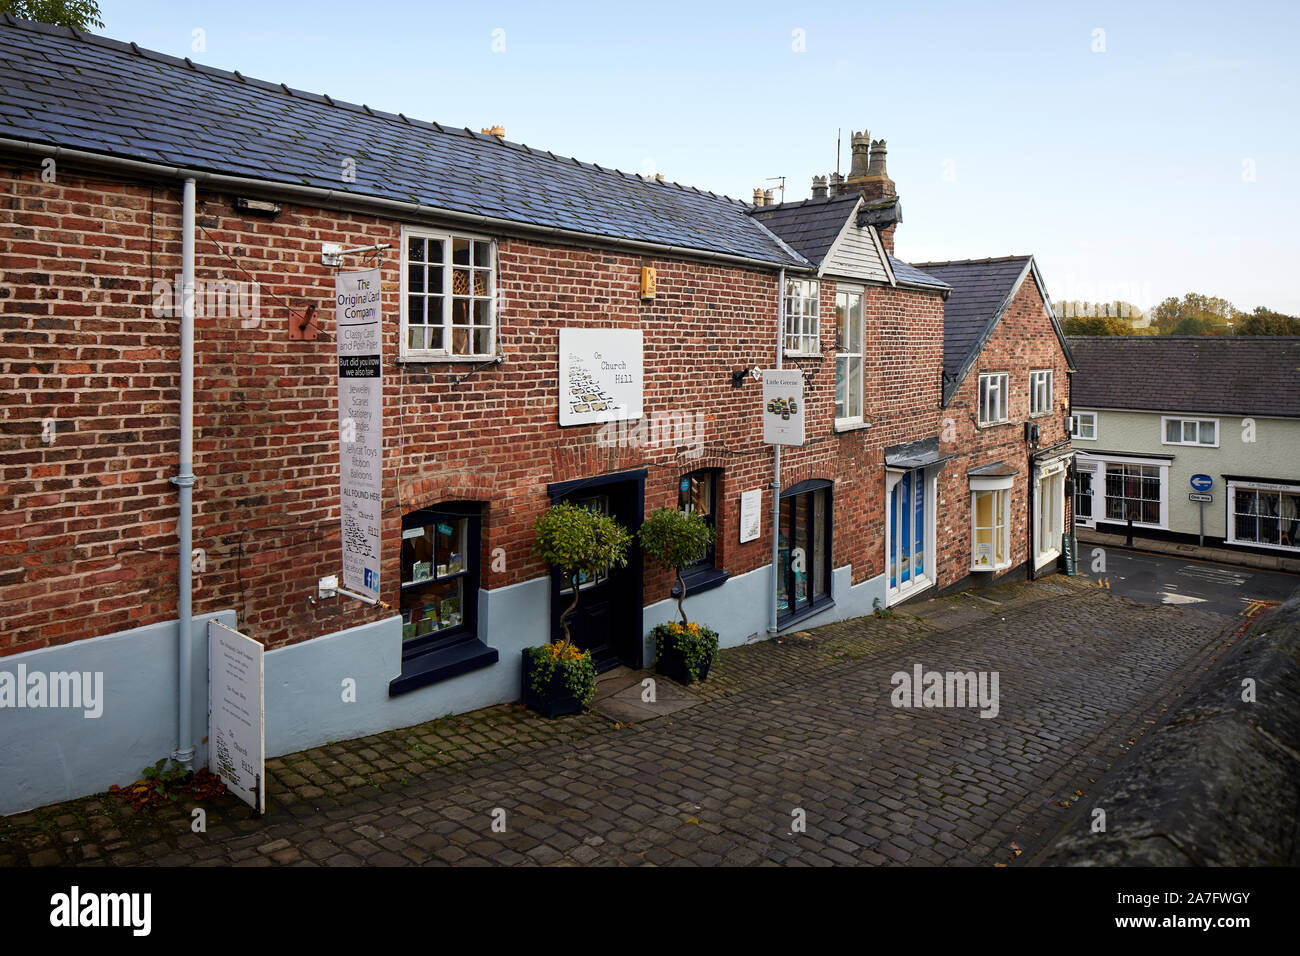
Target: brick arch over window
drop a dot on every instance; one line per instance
(422, 492)
(581, 461)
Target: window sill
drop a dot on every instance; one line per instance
(803, 355)
(442, 662)
(998, 424)
(990, 568)
(1040, 414)
(851, 426)
(825, 604)
(446, 359)
(703, 580)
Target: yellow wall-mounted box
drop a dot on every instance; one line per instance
(647, 282)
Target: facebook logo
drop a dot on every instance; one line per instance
(372, 579)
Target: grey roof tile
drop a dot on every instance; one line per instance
(91, 93)
(1211, 374)
(979, 291)
(810, 227)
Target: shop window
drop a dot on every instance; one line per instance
(439, 595)
(448, 306)
(698, 493)
(848, 357)
(802, 334)
(990, 520)
(1133, 491)
(994, 399)
(1265, 516)
(804, 544)
(1049, 503)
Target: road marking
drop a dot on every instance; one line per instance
(1213, 575)
(1171, 597)
(1254, 607)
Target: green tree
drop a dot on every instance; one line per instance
(1173, 310)
(675, 540)
(1264, 321)
(1084, 325)
(583, 544)
(81, 14)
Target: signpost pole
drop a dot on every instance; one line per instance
(1202, 539)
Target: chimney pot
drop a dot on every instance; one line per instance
(861, 155)
(767, 197)
(819, 187)
(494, 131)
(876, 167)
(758, 196)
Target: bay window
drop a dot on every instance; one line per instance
(990, 522)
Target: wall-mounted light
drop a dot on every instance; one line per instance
(260, 207)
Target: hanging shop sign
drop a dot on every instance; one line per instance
(783, 411)
(361, 432)
(237, 714)
(600, 375)
(751, 515)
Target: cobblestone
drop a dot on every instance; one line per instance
(801, 723)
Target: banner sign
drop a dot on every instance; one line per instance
(361, 429)
(600, 375)
(751, 517)
(782, 407)
(237, 714)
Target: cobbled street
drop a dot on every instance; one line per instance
(797, 730)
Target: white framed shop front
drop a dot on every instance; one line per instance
(1049, 507)
(1264, 514)
(1125, 486)
(910, 496)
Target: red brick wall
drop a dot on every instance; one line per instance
(1023, 341)
(87, 534)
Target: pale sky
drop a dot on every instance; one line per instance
(1137, 150)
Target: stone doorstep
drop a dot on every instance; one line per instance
(618, 696)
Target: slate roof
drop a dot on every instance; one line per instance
(982, 289)
(62, 87)
(810, 227)
(908, 274)
(1220, 375)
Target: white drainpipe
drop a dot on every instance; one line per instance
(184, 480)
(776, 468)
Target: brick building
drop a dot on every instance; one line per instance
(509, 277)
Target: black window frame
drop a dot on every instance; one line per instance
(705, 573)
(456, 650)
(816, 603)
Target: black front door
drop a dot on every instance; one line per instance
(607, 620)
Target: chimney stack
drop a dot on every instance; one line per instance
(861, 156)
(819, 187)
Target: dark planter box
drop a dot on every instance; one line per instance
(670, 663)
(554, 701)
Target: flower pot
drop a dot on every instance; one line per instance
(671, 664)
(554, 700)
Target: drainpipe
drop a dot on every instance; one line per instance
(184, 480)
(776, 470)
(1029, 524)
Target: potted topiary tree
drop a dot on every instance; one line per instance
(674, 539)
(558, 678)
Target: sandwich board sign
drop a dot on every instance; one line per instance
(237, 714)
(783, 411)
